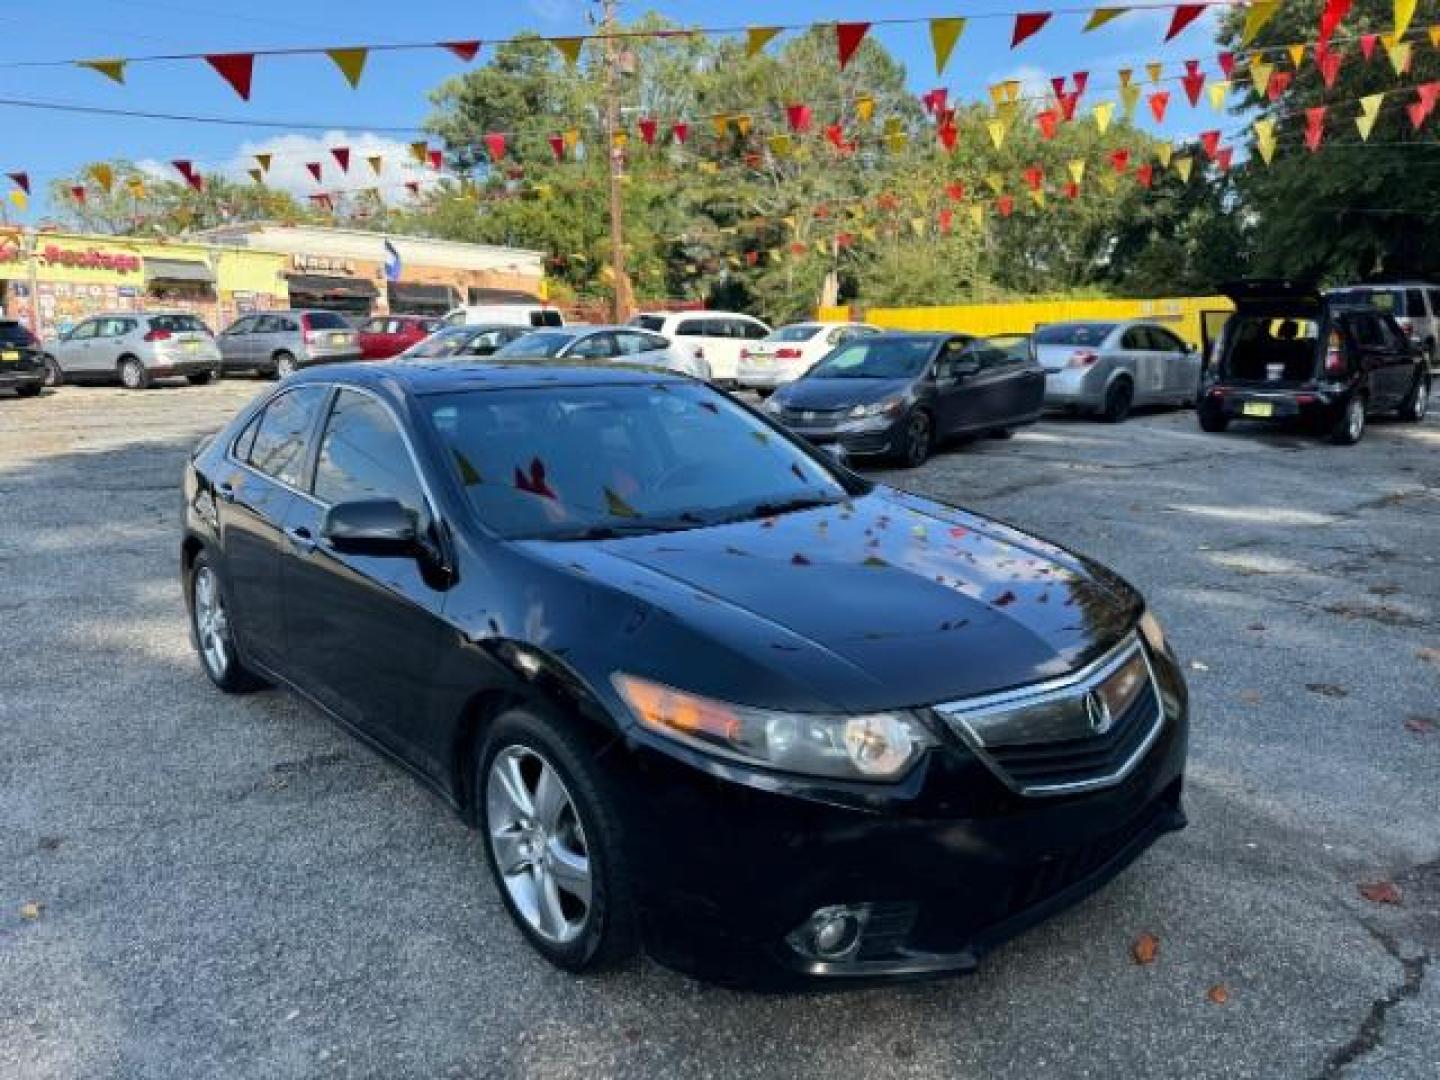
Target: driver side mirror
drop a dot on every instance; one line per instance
(371, 527)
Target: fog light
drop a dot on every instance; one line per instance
(832, 934)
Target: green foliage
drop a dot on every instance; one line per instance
(167, 207)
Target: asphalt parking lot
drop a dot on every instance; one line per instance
(193, 885)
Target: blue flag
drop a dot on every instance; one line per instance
(393, 266)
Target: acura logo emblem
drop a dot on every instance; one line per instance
(1097, 712)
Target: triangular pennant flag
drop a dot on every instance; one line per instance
(1314, 127)
(1058, 85)
(1081, 80)
(1265, 139)
(1182, 168)
(21, 180)
(1194, 82)
(1218, 92)
(1008, 111)
(997, 131)
(315, 169)
(569, 48)
(1434, 33)
(720, 124)
(114, 70)
(1404, 12)
(341, 154)
(864, 108)
(77, 192)
(104, 175)
(848, 37)
(1400, 57)
(1129, 98)
(21, 200)
(944, 33)
(1257, 15)
(1226, 60)
(1125, 76)
(1006, 205)
(780, 145)
(1035, 177)
(1417, 112)
(1159, 101)
(1210, 142)
(1049, 123)
(1068, 103)
(465, 50)
(376, 163)
(1367, 45)
(1103, 112)
(1297, 55)
(256, 175)
(1100, 16)
(1185, 14)
(1279, 82)
(798, 117)
(136, 186)
(1429, 93)
(557, 146)
(1120, 159)
(236, 69)
(1037, 196)
(743, 125)
(1260, 75)
(420, 151)
(351, 63)
(1076, 168)
(995, 182)
(895, 141)
(946, 218)
(949, 135)
(681, 131)
(1329, 65)
(196, 181)
(495, 145)
(412, 186)
(917, 226)
(1370, 104)
(649, 127)
(1162, 154)
(1072, 190)
(184, 167)
(1027, 24)
(1145, 174)
(1154, 69)
(435, 158)
(977, 214)
(757, 37)
(955, 192)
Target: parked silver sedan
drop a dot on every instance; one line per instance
(135, 348)
(1106, 368)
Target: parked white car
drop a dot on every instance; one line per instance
(716, 337)
(607, 344)
(791, 351)
(533, 315)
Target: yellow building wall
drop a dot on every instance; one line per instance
(242, 270)
(1181, 314)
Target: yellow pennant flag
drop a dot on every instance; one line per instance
(780, 145)
(1007, 111)
(420, 151)
(1218, 92)
(114, 70)
(1370, 104)
(864, 108)
(1297, 55)
(1010, 90)
(1154, 70)
(1125, 76)
(1260, 73)
(1037, 196)
(997, 131)
(351, 63)
(263, 160)
(977, 215)
(709, 167)
(1129, 98)
(1162, 154)
(1077, 170)
(1100, 16)
(572, 138)
(1366, 124)
(869, 233)
(757, 37)
(1400, 57)
(1434, 33)
(377, 163)
(569, 48)
(1265, 139)
(257, 176)
(1182, 168)
(620, 140)
(104, 176)
(1259, 13)
(943, 35)
(136, 186)
(822, 247)
(20, 199)
(892, 125)
(1103, 113)
(790, 222)
(996, 182)
(895, 141)
(721, 124)
(742, 125)
(1109, 181)
(1404, 12)
(917, 225)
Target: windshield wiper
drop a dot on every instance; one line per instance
(619, 529)
(765, 510)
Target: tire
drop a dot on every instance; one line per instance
(1119, 396)
(1417, 402)
(285, 365)
(133, 375)
(918, 440)
(213, 640)
(54, 376)
(28, 390)
(1350, 427)
(589, 933)
(1212, 421)
(201, 378)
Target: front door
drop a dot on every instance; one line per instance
(237, 343)
(988, 398)
(73, 352)
(364, 632)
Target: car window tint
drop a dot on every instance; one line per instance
(1073, 333)
(546, 317)
(754, 331)
(15, 333)
(326, 320)
(1394, 337)
(364, 456)
(1135, 338)
(178, 324)
(268, 324)
(1165, 341)
(1414, 304)
(373, 326)
(1433, 295)
(243, 326)
(246, 439)
(280, 443)
(595, 347)
(85, 330)
(1366, 329)
(691, 328)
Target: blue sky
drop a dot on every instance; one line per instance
(392, 94)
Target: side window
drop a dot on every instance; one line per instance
(1135, 338)
(653, 343)
(282, 439)
(241, 447)
(1366, 329)
(1415, 304)
(1393, 335)
(1165, 341)
(288, 325)
(364, 456)
(991, 357)
(243, 326)
(1433, 295)
(753, 330)
(692, 328)
(85, 331)
(267, 324)
(595, 347)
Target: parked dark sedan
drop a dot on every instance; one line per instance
(900, 395)
(1290, 354)
(22, 365)
(699, 688)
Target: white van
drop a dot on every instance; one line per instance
(717, 337)
(505, 315)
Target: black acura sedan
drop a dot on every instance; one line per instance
(900, 395)
(700, 689)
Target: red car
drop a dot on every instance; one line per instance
(389, 335)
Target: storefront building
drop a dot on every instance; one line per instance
(367, 273)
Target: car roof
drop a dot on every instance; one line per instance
(423, 377)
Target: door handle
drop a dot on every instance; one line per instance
(226, 491)
(301, 539)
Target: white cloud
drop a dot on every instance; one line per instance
(1034, 82)
(554, 11)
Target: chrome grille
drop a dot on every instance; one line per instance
(1060, 737)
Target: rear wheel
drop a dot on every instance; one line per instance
(201, 378)
(1417, 402)
(285, 365)
(918, 439)
(1118, 399)
(28, 390)
(53, 375)
(133, 375)
(210, 630)
(1212, 420)
(1348, 429)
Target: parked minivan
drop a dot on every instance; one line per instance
(717, 337)
(282, 342)
(533, 315)
(1415, 306)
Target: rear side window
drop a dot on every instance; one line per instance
(326, 320)
(1369, 334)
(1073, 334)
(281, 440)
(693, 328)
(1135, 338)
(546, 317)
(1414, 304)
(178, 324)
(1165, 341)
(752, 330)
(14, 333)
(653, 323)
(1433, 295)
(363, 456)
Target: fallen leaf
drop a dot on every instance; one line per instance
(1381, 892)
(31, 910)
(1327, 689)
(1005, 599)
(1196, 665)
(1146, 948)
(1251, 697)
(1420, 725)
(1217, 994)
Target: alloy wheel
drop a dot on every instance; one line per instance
(212, 624)
(53, 375)
(917, 439)
(132, 375)
(1422, 399)
(285, 365)
(1355, 419)
(538, 844)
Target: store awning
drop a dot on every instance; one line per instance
(479, 296)
(187, 271)
(331, 286)
(411, 294)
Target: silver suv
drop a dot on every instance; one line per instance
(135, 347)
(281, 342)
(1415, 305)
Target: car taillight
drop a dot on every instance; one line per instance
(788, 354)
(158, 335)
(1408, 327)
(744, 354)
(1083, 358)
(1334, 356)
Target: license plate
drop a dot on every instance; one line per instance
(1258, 408)
(337, 339)
(9, 356)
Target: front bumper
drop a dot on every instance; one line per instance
(868, 437)
(949, 861)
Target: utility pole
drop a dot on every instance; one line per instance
(621, 303)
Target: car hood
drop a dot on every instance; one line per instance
(885, 601)
(837, 393)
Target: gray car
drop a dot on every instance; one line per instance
(134, 348)
(610, 344)
(1106, 368)
(281, 342)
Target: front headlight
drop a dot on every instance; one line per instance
(878, 746)
(1153, 635)
(883, 407)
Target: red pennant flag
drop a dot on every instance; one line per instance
(955, 192)
(836, 135)
(236, 69)
(1194, 82)
(947, 220)
(1227, 63)
(1049, 121)
(78, 193)
(196, 181)
(315, 169)
(184, 168)
(1081, 80)
(844, 240)
(752, 257)
(1416, 111)
(341, 154)
(1035, 177)
(495, 145)
(1279, 82)
(436, 158)
(1428, 93)
(848, 37)
(1224, 157)
(1329, 64)
(1185, 14)
(22, 180)
(949, 135)
(557, 147)
(938, 99)
(1330, 19)
(1367, 45)
(1072, 190)
(681, 131)
(1068, 104)
(1120, 159)
(1145, 174)
(798, 248)
(1006, 205)
(798, 117)
(412, 186)
(1314, 127)
(465, 50)
(822, 211)
(1210, 141)
(1027, 25)
(1058, 85)
(648, 127)
(1159, 101)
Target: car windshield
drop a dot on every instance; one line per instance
(1073, 333)
(536, 345)
(14, 333)
(445, 342)
(178, 324)
(798, 332)
(595, 462)
(876, 358)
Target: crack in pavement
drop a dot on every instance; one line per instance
(1371, 1032)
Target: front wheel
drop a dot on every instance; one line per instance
(285, 365)
(554, 842)
(1351, 425)
(1417, 402)
(133, 375)
(918, 439)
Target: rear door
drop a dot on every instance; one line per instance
(237, 343)
(1399, 361)
(1179, 363)
(1132, 353)
(1376, 347)
(601, 346)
